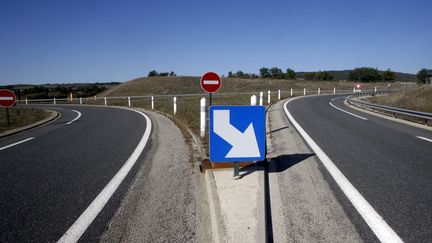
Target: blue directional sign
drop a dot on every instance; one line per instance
(237, 133)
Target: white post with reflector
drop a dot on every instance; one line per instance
(291, 92)
(334, 90)
(129, 102)
(279, 94)
(304, 91)
(203, 108)
(54, 101)
(175, 105)
(319, 90)
(152, 102)
(375, 89)
(105, 101)
(253, 100)
(268, 97)
(26, 101)
(80, 100)
(261, 98)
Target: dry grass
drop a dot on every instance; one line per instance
(20, 117)
(419, 99)
(188, 110)
(189, 92)
(190, 85)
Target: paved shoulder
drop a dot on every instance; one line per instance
(303, 205)
(162, 204)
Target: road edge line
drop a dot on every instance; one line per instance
(78, 228)
(377, 224)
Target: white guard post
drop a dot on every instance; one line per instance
(253, 100)
(175, 105)
(261, 98)
(203, 108)
(268, 97)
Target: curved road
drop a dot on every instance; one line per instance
(389, 163)
(51, 174)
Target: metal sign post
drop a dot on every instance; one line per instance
(7, 116)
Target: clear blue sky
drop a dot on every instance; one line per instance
(103, 41)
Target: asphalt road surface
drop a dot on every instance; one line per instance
(389, 163)
(51, 174)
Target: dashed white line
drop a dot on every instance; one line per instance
(76, 118)
(86, 218)
(377, 224)
(11, 145)
(347, 112)
(426, 139)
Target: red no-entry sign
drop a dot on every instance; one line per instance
(7, 98)
(210, 82)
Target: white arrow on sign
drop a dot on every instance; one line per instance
(244, 144)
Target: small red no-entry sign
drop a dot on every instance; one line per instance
(7, 98)
(211, 82)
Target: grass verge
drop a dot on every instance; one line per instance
(20, 117)
(419, 99)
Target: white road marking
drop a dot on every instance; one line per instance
(381, 229)
(349, 113)
(76, 118)
(211, 82)
(6, 98)
(83, 222)
(337, 98)
(426, 139)
(11, 145)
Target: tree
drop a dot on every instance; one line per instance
(172, 74)
(153, 73)
(309, 76)
(422, 76)
(230, 74)
(276, 73)
(290, 74)
(239, 74)
(388, 75)
(365, 74)
(264, 72)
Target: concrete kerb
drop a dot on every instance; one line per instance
(53, 115)
(406, 122)
(218, 223)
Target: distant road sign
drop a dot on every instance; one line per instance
(211, 82)
(7, 98)
(237, 133)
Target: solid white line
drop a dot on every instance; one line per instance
(381, 229)
(76, 118)
(426, 139)
(11, 145)
(337, 98)
(6, 98)
(211, 82)
(83, 222)
(349, 113)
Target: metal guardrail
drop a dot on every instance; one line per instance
(354, 100)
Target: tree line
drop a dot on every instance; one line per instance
(154, 73)
(424, 76)
(361, 74)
